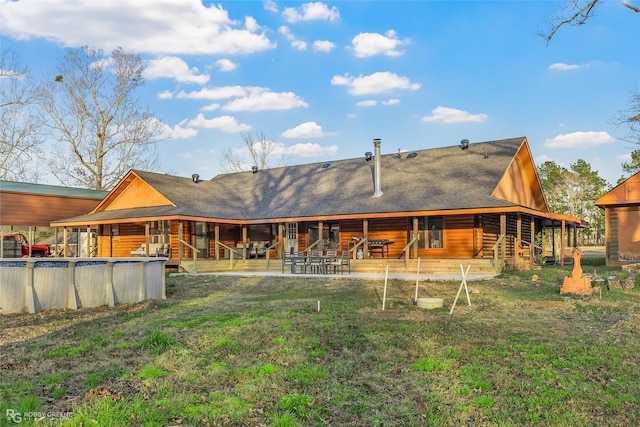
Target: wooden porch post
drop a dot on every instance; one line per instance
(147, 228)
(244, 242)
(216, 236)
(415, 233)
(180, 238)
(562, 237)
(280, 247)
(553, 237)
(88, 241)
(503, 231)
(365, 231)
(532, 249)
(65, 238)
(575, 235)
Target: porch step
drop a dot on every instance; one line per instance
(372, 265)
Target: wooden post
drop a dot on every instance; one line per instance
(146, 237)
(180, 238)
(519, 227)
(562, 237)
(244, 242)
(216, 236)
(88, 241)
(532, 249)
(65, 237)
(320, 236)
(280, 247)
(503, 232)
(415, 233)
(365, 231)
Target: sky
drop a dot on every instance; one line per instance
(321, 80)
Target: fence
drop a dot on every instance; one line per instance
(36, 284)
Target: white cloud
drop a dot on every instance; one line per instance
(165, 94)
(174, 68)
(312, 149)
(367, 103)
(286, 32)
(310, 12)
(262, 99)
(393, 101)
(270, 5)
(223, 123)
(158, 26)
(299, 44)
(378, 82)
(211, 107)
(561, 66)
(453, 115)
(323, 46)
(226, 65)
(371, 44)
(579, 140)
(177, 132)
(222, 92)
(305, 130)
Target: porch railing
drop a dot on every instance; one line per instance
(497, 264)
(355, 247)
(268, 253)
(195, 254)
(406, 250)
(313, 245)
(231, 250)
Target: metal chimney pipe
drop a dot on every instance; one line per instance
(377, 189)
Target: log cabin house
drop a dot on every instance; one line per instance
(622, 222)
(474, 201)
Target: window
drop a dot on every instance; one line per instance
(330, 234)
(159, 232)
(431, 231)
(115, 231)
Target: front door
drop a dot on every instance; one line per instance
(202, 239)
(291, 235)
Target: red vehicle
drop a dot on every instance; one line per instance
(17, 246)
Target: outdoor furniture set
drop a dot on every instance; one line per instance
(316, 262)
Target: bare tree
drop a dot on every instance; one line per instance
(257, 151)
(95, 117)
(20, 123)
(575, 13)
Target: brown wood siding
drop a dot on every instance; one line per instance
(458, 236)
(490, 233)
(27, 209)
(350, 229)
(137, 194)
(520, 184)
(393, 229)
(131, 236)
(613, 242)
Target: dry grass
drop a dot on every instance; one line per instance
(255, 351)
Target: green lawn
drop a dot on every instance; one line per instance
(232, 351)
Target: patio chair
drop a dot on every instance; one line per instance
(340, 263)
(316, 263)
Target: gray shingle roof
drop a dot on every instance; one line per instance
(444, 178)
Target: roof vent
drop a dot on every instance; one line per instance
(195, 178)
(464, 144)
(411, 155)
(325, 165)
(368, 156)
(254, 169)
